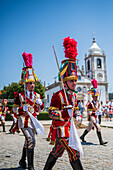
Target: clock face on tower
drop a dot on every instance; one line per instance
(99, 76)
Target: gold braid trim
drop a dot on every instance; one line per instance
(94, 109)
(53, 108)
(62, 107)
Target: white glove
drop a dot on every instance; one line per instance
(25, 108)
(70, 112)
(14, 109)
(39, 101)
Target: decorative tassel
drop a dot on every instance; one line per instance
(36, 78)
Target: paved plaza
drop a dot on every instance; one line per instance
(96, 157)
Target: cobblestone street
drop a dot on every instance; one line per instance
(96, 157)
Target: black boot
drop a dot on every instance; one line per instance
(11, 127)
(50, 162)
(76, 165)
(84, 134)
(22, 161)
(30, 157)
(3, 128)
(100, 139)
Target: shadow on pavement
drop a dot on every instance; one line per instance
(88, 143)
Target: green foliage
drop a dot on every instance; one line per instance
(8, 117)
(43, 116)
(8, 91)
(10, 105)
(39, 88)
(110, 96)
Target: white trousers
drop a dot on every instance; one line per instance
(93, 123)
(29, 137)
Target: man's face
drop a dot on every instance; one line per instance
(30, 86)
(71, 84)
(5, 103)
(95, 98)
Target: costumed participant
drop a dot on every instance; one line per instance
(14, 119)
(93, 108)
(106, 111)
(79, 117)
(110, 109)
(4, 111)
(62, 110)
(27, 106)
(0, 110)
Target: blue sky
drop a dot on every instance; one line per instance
(35, 25)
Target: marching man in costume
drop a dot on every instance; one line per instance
(63, 109)
(93, 109)
(27, 105)
(4, 111)
(14, 119)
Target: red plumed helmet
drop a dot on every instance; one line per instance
(70, 46)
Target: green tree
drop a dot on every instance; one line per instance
(39, 88)
(8, 91)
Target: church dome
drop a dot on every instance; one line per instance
(94, 49)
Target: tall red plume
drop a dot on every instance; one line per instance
(94, 83)
(28, 59)
(70, 46)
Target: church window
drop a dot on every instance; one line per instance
(88, 64)
(99, 65)
(84, 89)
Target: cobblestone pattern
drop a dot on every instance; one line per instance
(96, 157)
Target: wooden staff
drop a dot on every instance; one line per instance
(24, 84)
(61, 77)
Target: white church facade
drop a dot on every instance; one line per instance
(95, 68)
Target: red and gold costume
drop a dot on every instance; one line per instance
(4, 110)
(23, 120)
(59, 114)
(110, 105)
(14, 119)
(27, 106)
(93, 109)
(62, 110)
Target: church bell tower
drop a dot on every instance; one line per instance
(95, 66)
(95, 63)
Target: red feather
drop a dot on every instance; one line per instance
(94, 83)
(70, 46)
(28, 59)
